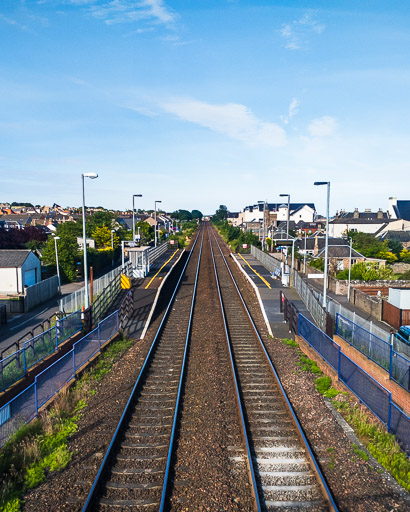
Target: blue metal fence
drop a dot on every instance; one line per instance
(381, 352)
(15, 366)
(24, 407)
(367, 389)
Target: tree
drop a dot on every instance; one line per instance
(183, 215)
(220, 214)
(366, 271)
(99, 219)
(196, 214)
(367, 244)
(68, 253)
(102, 238)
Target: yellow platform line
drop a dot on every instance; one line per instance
(161, 268)
(263, 279)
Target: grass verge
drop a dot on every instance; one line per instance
(41, 447)
(373, 435)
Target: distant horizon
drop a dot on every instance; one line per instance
(205, 103)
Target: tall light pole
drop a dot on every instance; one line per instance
(318, 183)
(58, 269)
(287, 221)
(91, 175)
(155, 227)
(133, 215)
(112, 245)
(263, 224)
(350, 268)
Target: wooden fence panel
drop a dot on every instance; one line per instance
(391, 315)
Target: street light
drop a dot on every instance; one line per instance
(91, 175)
(287, 222)
(155, 227)
(58, 269)
(263, 233)
(112, 245)
(318, 183)
(350, 268)
(133, 216)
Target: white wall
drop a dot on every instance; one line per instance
(305, 214)
(399, 298)
(31, 263)
(337, 230)
(10, 280)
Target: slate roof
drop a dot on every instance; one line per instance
(321, 242)
(340, 252)
(402, 210)
(10, 258)
(401, 236)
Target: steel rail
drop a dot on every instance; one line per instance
(251, 468)
(181, 378)
(97, 481)
(321, 480)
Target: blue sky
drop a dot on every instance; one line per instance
(200, 103)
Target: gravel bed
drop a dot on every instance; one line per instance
(206, 476)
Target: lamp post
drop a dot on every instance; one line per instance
(91, 175)
(263, 224)
(133, 216)
(287, 221)
(112, 245)
(58, 269)
(318, 183)
(155, 227)
(350, 268)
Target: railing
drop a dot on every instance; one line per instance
(290, 312)
(376, 349)
(368, 390)
(309, 298)
(15, 366)
(156, 252)
(25, 406)
(271, 263)
(76, 299)
(105, 299)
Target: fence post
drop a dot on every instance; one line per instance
(389, 416)
(57, 335)
(391, 361)
(24, 359)
(35, 396)
(338, 365)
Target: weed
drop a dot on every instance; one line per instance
(307, 365)
(382, 445)
(34, 476)
(360, 453)
(322, 384)
(290, 342)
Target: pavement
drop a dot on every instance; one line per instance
(269, 289)
(145, 293)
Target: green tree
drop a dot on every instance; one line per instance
(367, 244)
(196, 214)
(68, 254)
(99, 219)
(102, 238)
(183, 215)
(220, 214)
(367, 271)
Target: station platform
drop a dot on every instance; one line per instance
(269, 290)
(145, 292)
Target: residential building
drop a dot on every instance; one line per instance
(18, 269)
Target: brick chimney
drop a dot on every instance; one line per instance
(380, 214)
(356, 213)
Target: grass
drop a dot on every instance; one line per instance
(382, 445)
(42, 446)
(308, 365)
(290, 342)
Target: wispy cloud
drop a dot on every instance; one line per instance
(292, 111)
(127, 11)
(231, 119)
(296, 33)
(322, 127)
(12, 22)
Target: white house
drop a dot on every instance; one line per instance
(365, 222)
(304, 212)
(18, 269)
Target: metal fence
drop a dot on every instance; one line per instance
(367, 389)
(156, 252)
(76, 300)
(24, 407)
(271, 263)
(15, 366)
(376, 349)
(308, 296)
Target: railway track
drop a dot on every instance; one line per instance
(283, 471)
(135, 473)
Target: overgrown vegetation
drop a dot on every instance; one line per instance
(382, 445)
(367, 271)
(235, 237)
(41, 447)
